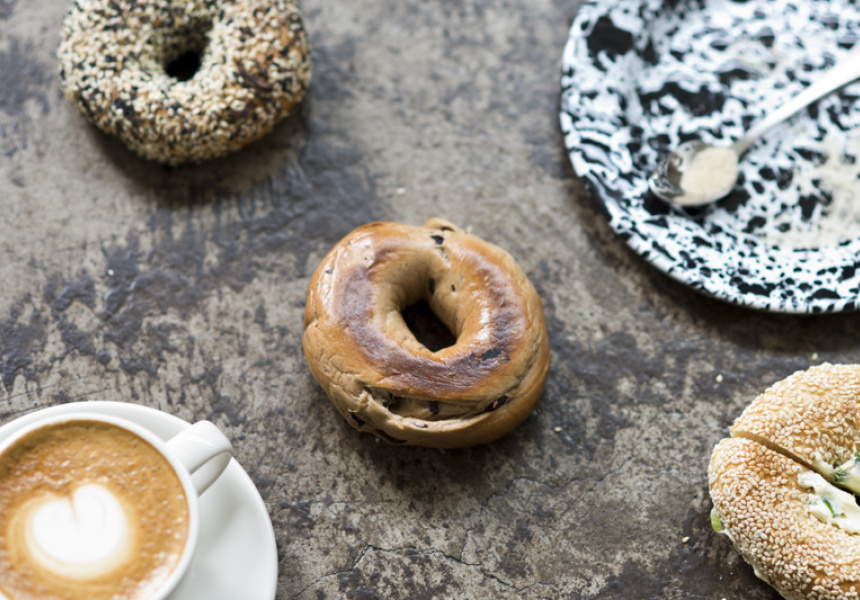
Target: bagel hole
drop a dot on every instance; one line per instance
(427, 328)
(186, 65)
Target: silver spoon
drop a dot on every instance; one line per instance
(698, 173)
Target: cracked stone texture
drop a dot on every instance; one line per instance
(183, 289)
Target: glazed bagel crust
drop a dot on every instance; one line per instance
(382, 379)
(764, 510)
(254, 67)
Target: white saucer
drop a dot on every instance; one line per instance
(236, 555)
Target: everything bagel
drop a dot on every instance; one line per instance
(382, 379)
(254, 66)
(781, 485)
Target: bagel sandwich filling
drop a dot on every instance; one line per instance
(830, 504)
(846, 475)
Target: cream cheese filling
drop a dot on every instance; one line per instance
(846, 475)
(830, 504)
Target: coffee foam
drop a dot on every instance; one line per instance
(88, 511)
(79, 537)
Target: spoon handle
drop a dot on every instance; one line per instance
(842, 73)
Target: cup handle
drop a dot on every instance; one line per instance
(204, 451)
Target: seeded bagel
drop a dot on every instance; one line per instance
(254, 66)
(766, 505)
(813, 416)
(782, 484)
(382, 379)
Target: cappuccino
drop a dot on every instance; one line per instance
(88, 510)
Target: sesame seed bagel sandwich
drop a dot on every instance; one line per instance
(783, 484)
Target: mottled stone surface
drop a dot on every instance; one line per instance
(183, 289)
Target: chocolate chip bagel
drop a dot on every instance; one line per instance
(382, 379)
(781, 485)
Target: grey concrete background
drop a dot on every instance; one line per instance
(183, 289)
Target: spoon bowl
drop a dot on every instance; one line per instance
(696, 173)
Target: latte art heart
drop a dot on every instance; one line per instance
(88, 528)
(88, 511)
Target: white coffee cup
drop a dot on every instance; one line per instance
(121, 484)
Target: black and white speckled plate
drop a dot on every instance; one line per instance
(641, 76)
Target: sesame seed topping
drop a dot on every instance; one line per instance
(802, 425)
(253, 68)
